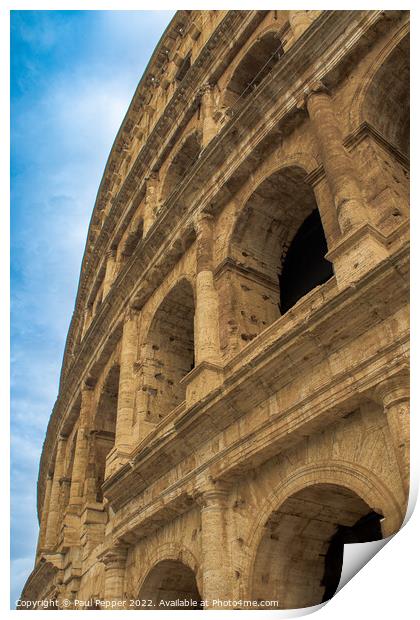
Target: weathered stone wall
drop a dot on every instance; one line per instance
(205, 443)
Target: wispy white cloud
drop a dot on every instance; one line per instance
(73, 75)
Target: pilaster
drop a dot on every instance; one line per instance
(393, 395)
(44, 516)
(82, 449)
(109, 271)
(54, 516)
(361, 246)
(206, 318)
(115, 560)
(216, 562)
(208, 109)
(124, 433)
(151, 202)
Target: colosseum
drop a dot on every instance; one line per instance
(233, 402)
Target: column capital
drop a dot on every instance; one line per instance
(392, 390)
(313, 88)
(88, 384)
(212, 494)
(204, 217)
(152, 177)
(115, 557)
(111, 252)
(131, 313)
(206, 90)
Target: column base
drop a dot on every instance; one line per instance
(357, 253)
(202, 380)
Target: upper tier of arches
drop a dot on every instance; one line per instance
(265, 230)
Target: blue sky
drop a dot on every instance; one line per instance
(73, 74)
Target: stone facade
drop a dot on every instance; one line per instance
(233, 404)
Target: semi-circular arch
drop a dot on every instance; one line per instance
(351, 476)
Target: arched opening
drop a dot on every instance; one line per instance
(278, 248)
(253, 68)
(387, 103)
(305, 265)
(168, 353)
(300, 554)
(181, 163)
(171, 585)
(386, 109)
(103, 436)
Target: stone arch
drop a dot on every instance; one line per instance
(264, 230)
(380, 91)
(182, 161)
(171, 565)
(103, 434)
(254, 64)
(337, 493)
(167, 353)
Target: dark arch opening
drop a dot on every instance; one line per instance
(254, 67)
(366, 529)
(305, 265)
(299, 557)
(264, 230)
(169, 584)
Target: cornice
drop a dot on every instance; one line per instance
(154, 252)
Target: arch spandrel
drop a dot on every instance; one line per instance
(356, 112)
(279, 161)
(351, 476)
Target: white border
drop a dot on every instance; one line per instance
(387, 586)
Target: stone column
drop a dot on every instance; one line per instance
(54, 516)
(81, 449)
(115, 562)
(393, 394)
(361, 246)
(126, 391)
(90, 483)
(86, 320)
(44, 515)
(209, 125)
(299, 21)
(151, 202)
(338, 165)
(109, 271)
(207, 345)
(217, 578)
